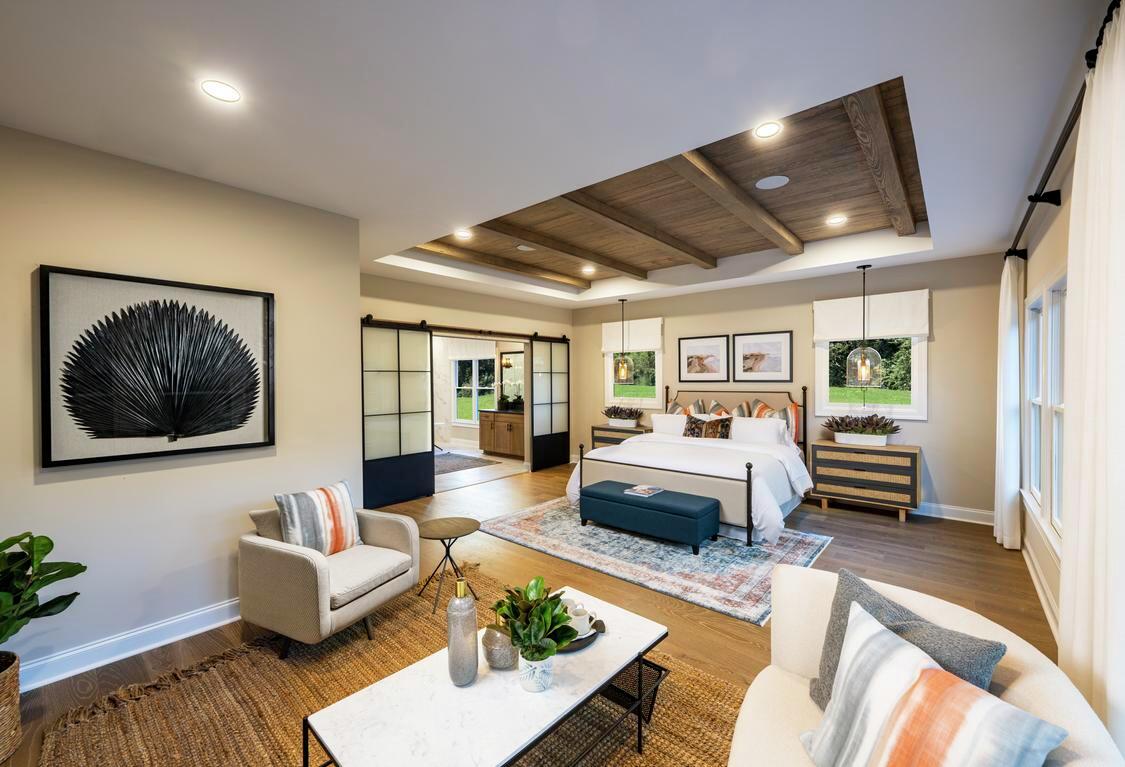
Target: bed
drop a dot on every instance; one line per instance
(756, 484)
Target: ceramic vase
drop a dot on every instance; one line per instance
(461, 631)
(629, 423)
(861, 439)
(536, 675)
(499, 651)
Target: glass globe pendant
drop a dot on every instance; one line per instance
(865, 365)
(622, 365)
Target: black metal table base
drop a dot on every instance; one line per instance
(446, 560)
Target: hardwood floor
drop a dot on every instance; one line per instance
(956, 561)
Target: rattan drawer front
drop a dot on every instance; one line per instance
(865, 493)
(855, 456)
(865, 475)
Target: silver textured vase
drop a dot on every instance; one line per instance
(499, 651)
(461, 631)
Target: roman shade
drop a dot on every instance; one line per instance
(640, 335)
(889, 315)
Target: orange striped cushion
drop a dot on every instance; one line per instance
(322, 519)
(791, 414)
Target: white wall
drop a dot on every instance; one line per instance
(159, 535)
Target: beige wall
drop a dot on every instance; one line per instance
(958, 439)
(159, 535)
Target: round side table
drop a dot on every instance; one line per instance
(447, 530)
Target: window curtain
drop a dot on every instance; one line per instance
(1006, 503)
(889, 315)
(640, 335)
(1092, 598)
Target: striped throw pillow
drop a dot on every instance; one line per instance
(322, 519)
(791, 414)
(892, 704)
(675, 408)
(717, 409)
(743, 410)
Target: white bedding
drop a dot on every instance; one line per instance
(779, 472)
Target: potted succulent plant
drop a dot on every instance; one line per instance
(623, 416)
(23, 573)
(538, 624)
(861, 430)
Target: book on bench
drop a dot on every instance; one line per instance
(644, 491)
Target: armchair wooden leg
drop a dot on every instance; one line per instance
(283, 652)
(369, 624)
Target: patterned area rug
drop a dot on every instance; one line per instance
(446, 463)
(728, 576)
(244, 706)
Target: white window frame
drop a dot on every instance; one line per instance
(645, 403)
(475, 423)
(919, 398)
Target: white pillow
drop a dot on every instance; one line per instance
(762, 431)
(669, 423)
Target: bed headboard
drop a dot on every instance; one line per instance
(730, 398)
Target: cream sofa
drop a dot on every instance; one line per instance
(305, 596)
(777, 707)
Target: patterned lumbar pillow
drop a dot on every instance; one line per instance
(790, 414)
(322, 519)
(892, 704)
(718, 427)
(694, 426)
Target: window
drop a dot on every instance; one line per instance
(1034, 398)
(903, 393)
(645, 391)
(474, 388)
(1044, 410)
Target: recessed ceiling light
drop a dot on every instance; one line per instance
(768, 129)
(587, 269)
(525, 248)
(836, 219)
(462, 234)
(772, 182)
(220, 91)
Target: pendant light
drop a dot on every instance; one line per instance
(865, 365)
(622, 365)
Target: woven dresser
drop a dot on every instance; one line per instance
(888, 477)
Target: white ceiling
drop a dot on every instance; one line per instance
(420, 117)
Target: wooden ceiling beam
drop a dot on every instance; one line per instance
(503, 264)
(626, 223)
(534, 239)
(712, 181)
(868, 116)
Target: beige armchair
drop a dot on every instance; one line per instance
(305, 596)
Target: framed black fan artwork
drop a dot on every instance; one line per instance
(132, 367)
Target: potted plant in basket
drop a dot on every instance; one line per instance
(23, 573)
(861, 430)
(538, 624)
(623, 416)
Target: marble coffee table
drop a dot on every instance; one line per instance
(416, 716)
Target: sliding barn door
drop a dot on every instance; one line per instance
(550, 403)
(398, 419)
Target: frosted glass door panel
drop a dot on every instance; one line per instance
(414, 350)
(380, 437)
(541, 420)
(560, 415)
(559, 354)
(380, 349)
(541, 388)
(416, 435)
(415, 392)
(540, 357)
(559, 387)
(380, 393)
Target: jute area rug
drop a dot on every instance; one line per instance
(244, 706)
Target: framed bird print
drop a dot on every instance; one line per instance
(132, 367)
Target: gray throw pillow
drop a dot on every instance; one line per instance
(962, 655)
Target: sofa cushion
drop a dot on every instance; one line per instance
(354, 572)
(322, 519)
(267, 522)
(775, 712)
(968, 657)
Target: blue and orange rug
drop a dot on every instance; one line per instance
(728, 576)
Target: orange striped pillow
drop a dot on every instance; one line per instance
(791, 414)
(322, 519)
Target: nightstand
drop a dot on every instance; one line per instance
(888, 477)
(603, 435)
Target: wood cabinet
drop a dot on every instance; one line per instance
(501, 432)
(888, 476)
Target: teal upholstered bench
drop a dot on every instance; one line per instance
(679, 517)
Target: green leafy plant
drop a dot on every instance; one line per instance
(867, 424)
(23, 573)
(535, 619)
(624, 413)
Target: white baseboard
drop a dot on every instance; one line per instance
(959, 513)
(66, 663)
(1050, 608)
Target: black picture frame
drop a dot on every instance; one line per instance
(739, 376)
(47, 379)
(704, 377)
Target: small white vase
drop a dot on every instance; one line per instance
(861, 439)
(535, 675)
(629, 423)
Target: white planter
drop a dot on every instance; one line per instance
(861, 439)
(535, 675)
(626, 422)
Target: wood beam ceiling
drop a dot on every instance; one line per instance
(868, 116)
(595, 210)
(534, 239)
(504, 264)
(694, 167)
